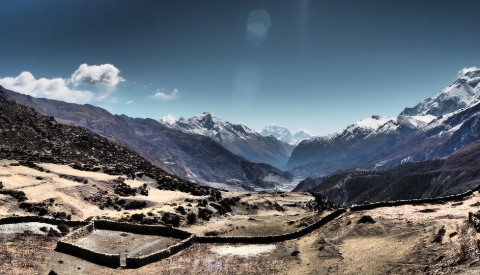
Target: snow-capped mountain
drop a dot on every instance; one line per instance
(442, 137)
(237, 138)
(169, 119)
(386, 139)
(283, 134)
(353, 145)
(461, 93)
(206, 124)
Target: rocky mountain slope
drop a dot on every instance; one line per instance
(440, 138)
(29, 136)
(189, 156)
(427, 179)
(238, 139)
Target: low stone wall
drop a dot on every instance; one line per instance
(272, 238)
(67, 244)
(22, 219)
(135, 262)
(444, 199)
(110, 260)
(142, 229)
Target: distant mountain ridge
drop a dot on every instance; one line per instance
(237, 138)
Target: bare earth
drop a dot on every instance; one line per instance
(403, 240)
(117, 242)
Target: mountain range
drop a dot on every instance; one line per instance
(237, 138)
(436, 157)
(208, 150)
(435, 127)
(189, 156)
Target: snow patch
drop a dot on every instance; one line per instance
(244, 250)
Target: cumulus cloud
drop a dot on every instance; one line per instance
(55, 88)
(464, 71)
(105, 74)
(160, 95)
(129, 101)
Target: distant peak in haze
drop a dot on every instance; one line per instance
(283, 134)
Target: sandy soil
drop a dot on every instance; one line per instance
(69, 195)
(255, 215)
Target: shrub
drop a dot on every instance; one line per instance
(191, 218)
(63, 228)
(137, 217)
(181, 210)
(204, 214)
(135, 205)
(172, 219)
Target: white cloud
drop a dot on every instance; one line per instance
(160, 95)
(467, 70)
(55, 88)
(129, 101)
(169, 119)
(105, 74)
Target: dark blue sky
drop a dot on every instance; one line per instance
(315, 64)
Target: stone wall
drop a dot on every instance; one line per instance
(142, 229)
(272, 238)
(135, 262)
(67, 244)
(438, 200)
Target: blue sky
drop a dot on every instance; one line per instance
(316, 64)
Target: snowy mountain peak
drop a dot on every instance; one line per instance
(169, 119)
(461, 93)
(373, 122)
(207, 124)
(471, 72)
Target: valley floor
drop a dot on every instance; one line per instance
(427, 239)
